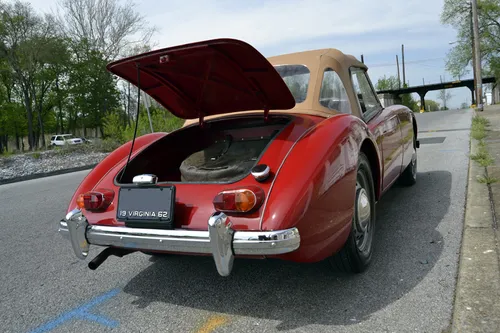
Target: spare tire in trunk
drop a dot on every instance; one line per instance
(223, 160)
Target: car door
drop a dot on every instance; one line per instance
(384, 124)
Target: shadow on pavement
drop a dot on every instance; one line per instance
(407, 248)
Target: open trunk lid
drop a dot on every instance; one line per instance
(207, 78)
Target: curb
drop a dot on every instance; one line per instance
(476, 307)
(46, 174)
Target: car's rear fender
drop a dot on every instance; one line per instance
(100, 171)
(194, 201)
(314, 189)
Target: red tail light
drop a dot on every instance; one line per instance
(242, 200)
(98, 200)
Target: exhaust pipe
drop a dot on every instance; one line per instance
(99, 259)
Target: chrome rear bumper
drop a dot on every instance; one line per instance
(220, 239)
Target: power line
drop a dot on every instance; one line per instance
(407, 62)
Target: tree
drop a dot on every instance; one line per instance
(444, 96)
(52, 55)
(105, 25)
(93, 90)
(431, 105)
(390, 83)
(457, 13)
(106, 31)
(387, 83)
(53, 73)
(408, 101)
(27, 42)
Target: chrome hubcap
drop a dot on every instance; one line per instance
(362, 219)
(363, 207)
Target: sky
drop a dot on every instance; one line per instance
(374, 28)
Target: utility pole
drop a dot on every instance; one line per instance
(403, 59)
(399, 79)
(477, 54)
(474, 97)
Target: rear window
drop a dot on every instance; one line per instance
(296, 78)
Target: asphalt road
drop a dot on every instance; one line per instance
(409, 287)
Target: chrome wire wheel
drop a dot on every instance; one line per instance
(362, 218)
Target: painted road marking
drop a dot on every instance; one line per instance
(212, 323)
(82, 312)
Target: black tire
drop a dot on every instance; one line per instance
(356, 255)
(409, 175)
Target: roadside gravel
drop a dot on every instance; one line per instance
(30, 164)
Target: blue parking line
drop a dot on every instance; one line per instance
(82, 313)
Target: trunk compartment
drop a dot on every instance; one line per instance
(222, 151)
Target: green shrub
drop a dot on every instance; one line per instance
(106, 145)
(478, 128)
(112, 126)
(161, 119)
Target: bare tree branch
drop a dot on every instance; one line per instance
(105, 25)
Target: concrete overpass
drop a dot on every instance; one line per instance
(424, 89)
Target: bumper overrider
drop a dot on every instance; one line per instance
(220, 239)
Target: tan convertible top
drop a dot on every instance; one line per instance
(316, 61)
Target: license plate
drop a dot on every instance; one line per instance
(146, 206)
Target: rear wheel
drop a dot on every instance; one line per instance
(356, 254)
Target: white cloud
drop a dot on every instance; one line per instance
(368, 27)
(292, 25)
(278, 22)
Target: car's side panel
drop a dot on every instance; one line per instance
(386, 127)
(315, 188)
(406, 123)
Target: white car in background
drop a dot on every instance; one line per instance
(64, 139)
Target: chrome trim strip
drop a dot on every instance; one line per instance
(192, 241)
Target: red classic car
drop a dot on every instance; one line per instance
(282, 157)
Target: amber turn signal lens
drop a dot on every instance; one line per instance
(239, 200)
(79, 202)
(244, 200)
